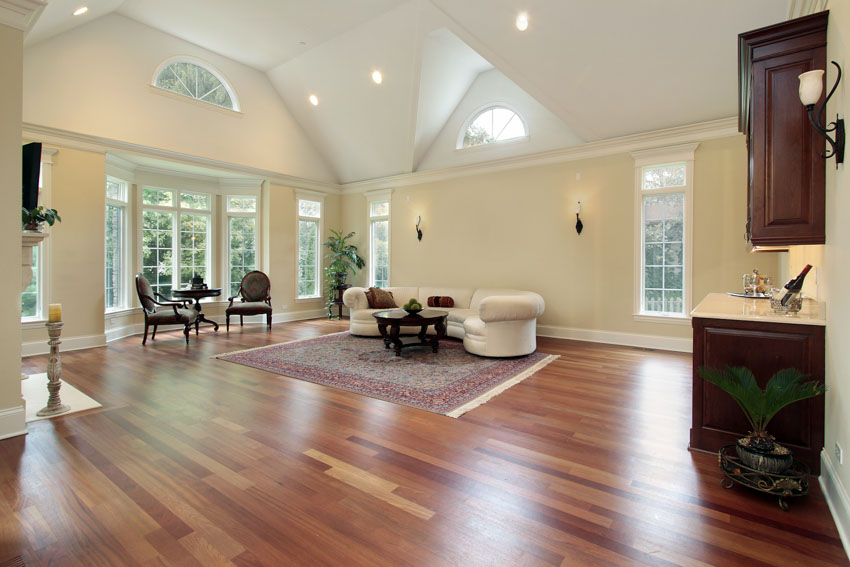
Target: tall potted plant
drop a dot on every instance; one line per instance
(342, 258)
(759, 450)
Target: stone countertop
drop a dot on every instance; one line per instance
(725, 306)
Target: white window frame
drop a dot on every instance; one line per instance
(212, 260)
(683, 153)
(315, 197)
(44, 287)
(126, 249)
(204, 65)
(373, 197)
(225, 247)
(474, 116)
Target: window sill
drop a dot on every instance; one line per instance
(668, 319)
(33, 323)
(120, 312)
(308, 298)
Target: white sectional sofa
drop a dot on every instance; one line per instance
(491, 322)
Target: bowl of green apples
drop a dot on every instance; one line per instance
(412, 307)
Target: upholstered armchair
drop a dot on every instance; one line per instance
(173, 312)
(254, 299)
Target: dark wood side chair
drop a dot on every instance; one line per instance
(178, 312)
(255, 299)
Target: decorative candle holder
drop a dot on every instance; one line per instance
(54, 374)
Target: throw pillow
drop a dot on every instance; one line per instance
(380, 298)
(441, 301)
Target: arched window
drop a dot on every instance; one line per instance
(196, 80)
(493, 124)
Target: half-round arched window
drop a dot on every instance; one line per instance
(195, 79)
(493, 124)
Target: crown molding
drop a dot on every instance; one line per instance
(20, 14)
(713, 129)
(98, 144)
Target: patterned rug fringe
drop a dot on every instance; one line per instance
(487, 396)
(221, 354)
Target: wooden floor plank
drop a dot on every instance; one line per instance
(195, 461)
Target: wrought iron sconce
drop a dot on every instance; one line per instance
(418, 231)
(579, 224)
(811, 87)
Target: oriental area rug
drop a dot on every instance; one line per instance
(450, 382)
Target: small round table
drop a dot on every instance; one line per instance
(197, 295)
(398, 318)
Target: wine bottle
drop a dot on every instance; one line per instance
(794, 285)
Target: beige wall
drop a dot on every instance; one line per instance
(92, 80)
(76, 244)
(516, 229)
(11, 46)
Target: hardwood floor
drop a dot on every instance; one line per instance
(194, 461)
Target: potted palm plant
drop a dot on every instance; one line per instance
(759, 450)
(342, 258)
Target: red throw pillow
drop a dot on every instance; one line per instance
(441, 301)
(380, 298)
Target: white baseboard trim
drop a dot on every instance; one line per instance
(837, 499)
(69, 343)
(614, 338)
(13, 422)
(287, 317)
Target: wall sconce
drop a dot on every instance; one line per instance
(418, 232)
(811, 87)
(579, 224)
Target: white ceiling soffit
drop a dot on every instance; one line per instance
(365, 130)
(258, 33)
(449, 67)
(611, 67)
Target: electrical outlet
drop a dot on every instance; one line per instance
(839, 454)
(284, 306)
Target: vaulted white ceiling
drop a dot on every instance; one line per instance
(590, 70)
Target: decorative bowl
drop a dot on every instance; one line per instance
(413, 311)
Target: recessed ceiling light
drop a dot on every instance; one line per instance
(377, 77)
(314, 100)
(522, 21)
(80, 11)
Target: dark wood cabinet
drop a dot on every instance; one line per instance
(764, 348)
(786, 199)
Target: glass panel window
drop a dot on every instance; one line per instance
(669, 175)
(160, 197)
(157, 250)
(380, 252)
(379, 243)
(116, 190)
(198, 201)
(243, 249)
(194, 237)
(664, 252)
(494, 124)
(29, 298)
(311, 209)
(308, 239)
(196, 81)
(113, 290)
(241, 204)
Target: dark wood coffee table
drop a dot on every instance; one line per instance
(398, 318)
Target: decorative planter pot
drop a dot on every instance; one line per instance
(774, 461)
(34, 226)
